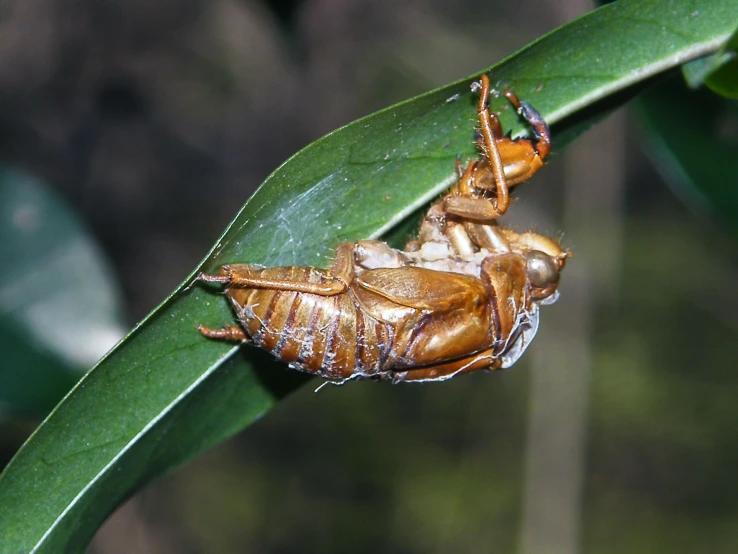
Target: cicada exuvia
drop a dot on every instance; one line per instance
(463, 296)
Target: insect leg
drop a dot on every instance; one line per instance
(337, 283)
(228, 332)
(533, 241)
(542, 144)
(463, 204)
(469, 207)
(466, 179)
(343, 266)
(487, 359)
(487, 126)
(490, 237)
(459, 170)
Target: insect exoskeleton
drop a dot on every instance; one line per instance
(505, 161)
(463, 296)
(382, 313)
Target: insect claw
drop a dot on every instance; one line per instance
(213, 278)
(513, 98)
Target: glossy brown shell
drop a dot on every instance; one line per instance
(390, 322)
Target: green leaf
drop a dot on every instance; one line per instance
(59, 309)
(697, 72)
(724, 80)
(693, 139)
(718, 71)
(166, 394)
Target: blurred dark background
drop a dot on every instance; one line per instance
(615, 433)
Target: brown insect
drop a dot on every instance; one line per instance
(505, 161)
(464, 296)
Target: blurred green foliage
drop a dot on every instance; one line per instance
(723, 75)
(59, 306)
(692, 137)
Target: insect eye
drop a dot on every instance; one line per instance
(542, 269)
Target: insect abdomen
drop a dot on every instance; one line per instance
(327, 335)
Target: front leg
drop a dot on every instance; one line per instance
(462, 202)
(488, 124)
(542, 144)
(471, 208)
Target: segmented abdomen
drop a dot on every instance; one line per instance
(327, 335)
